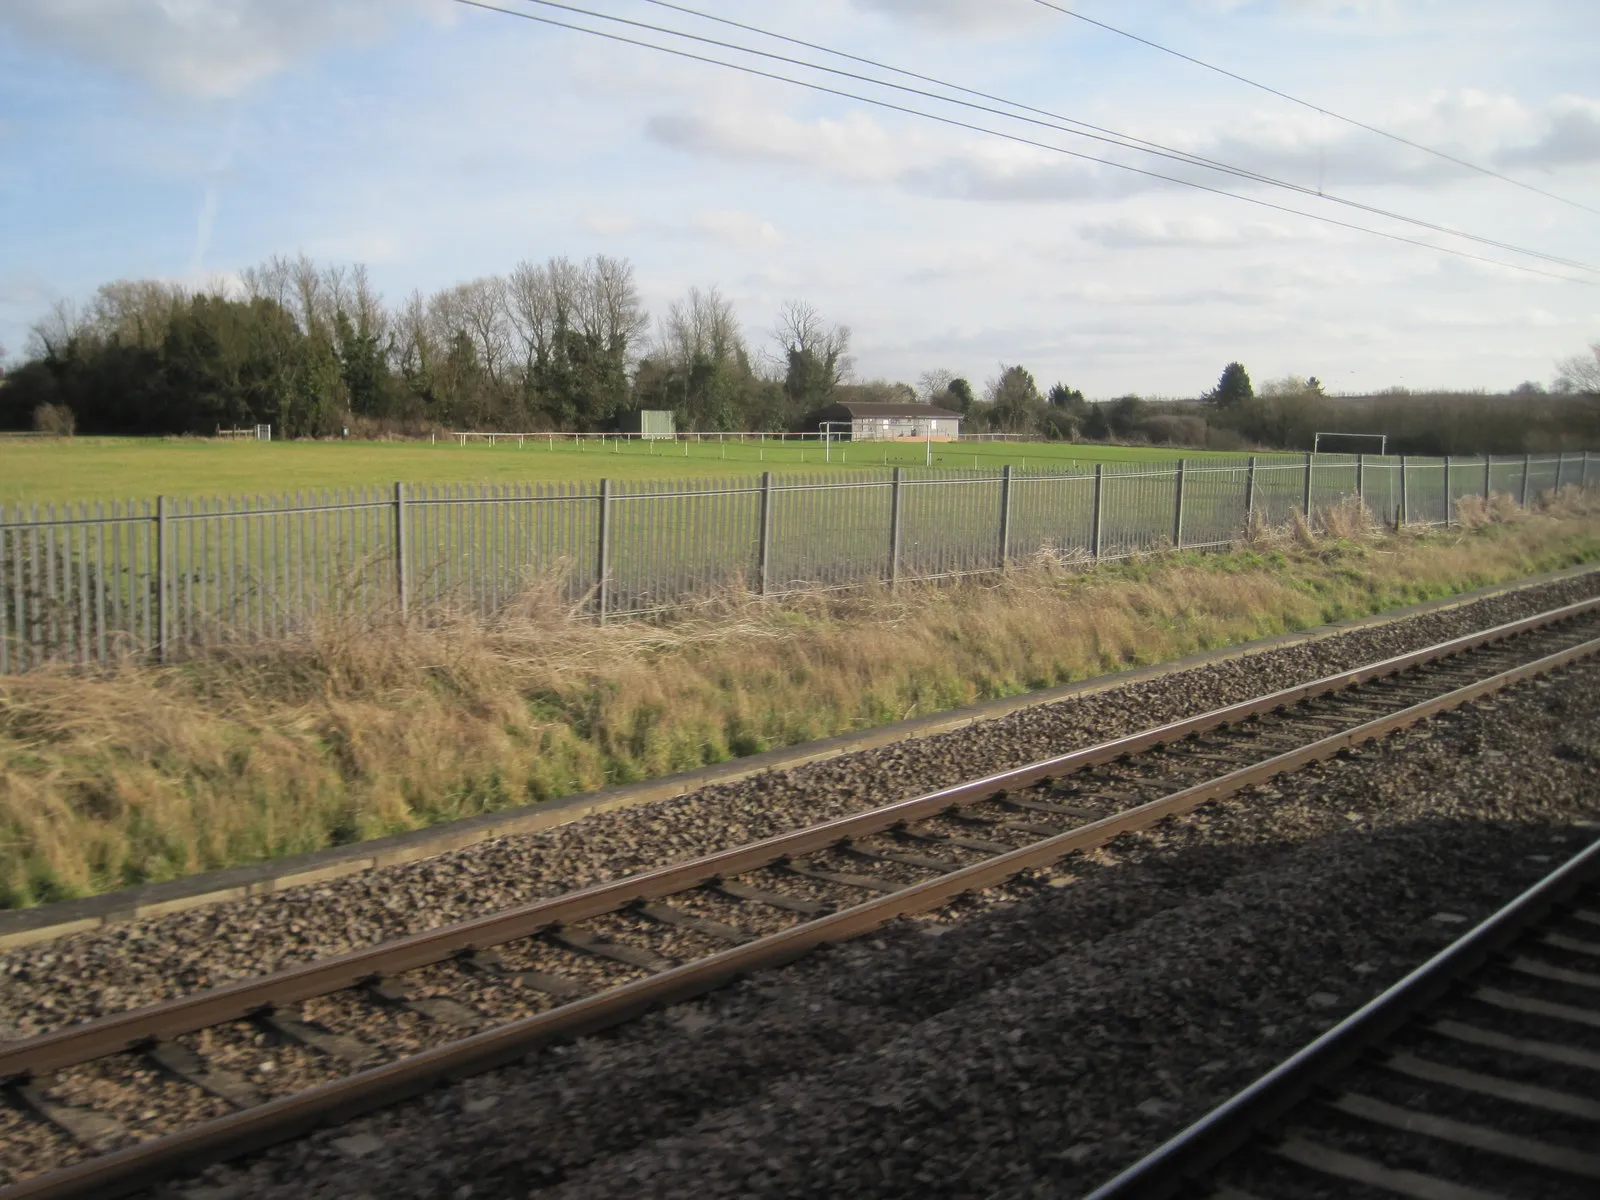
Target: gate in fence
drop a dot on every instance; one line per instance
(94, 583)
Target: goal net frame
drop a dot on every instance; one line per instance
(1381, 438)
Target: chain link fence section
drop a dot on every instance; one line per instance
(99, 583)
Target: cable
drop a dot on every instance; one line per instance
(1110, 137)
(1317, 108)
(1011, 137)
(1126, 139)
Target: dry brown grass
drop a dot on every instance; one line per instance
(348, 732)
(1350, 519)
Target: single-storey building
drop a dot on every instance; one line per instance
(878, 422)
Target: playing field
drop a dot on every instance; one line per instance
(86, 468)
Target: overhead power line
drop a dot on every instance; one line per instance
(1078, 128)
(1317, 108)
(1054, 121)
(956, 123)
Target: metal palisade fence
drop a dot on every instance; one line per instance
(98, 582)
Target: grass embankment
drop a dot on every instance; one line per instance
(149, 773)
(75, 469)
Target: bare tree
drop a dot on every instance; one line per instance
(269, 281)
(566, 293)
(479, 311)
(702, 326)
(1290, 387)
(312, 292)
(1580, 373)
(480, 308)
(597, 299)
(414, 347)
(616, 317)
(934, 385)
(801, 332)
(363, 305)
(52, 334)
(531, 310)
(135, 312)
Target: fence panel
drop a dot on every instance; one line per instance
(950, 523)
(1137, 507)
(1279, 490)
(1542, 471)
(1052, 512)
(672, 541)
(1333, 479)
(1213, 503)
(828, 532)
(85, 584)
(1380, 486)
(1425, 491)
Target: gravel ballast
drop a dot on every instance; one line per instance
(121, 967)
(1029, 1049)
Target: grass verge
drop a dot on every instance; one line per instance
(149, 773)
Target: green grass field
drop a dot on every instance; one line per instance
(88, 468)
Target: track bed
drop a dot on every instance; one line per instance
(1000, 838)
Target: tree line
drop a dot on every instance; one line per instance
(1290, 412)
(313, 350)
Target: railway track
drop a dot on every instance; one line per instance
(1473, 1078)
(349, 1034)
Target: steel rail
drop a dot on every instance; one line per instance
(132, 1169)
(1205, 1144)
(118, 1032)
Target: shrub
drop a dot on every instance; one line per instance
(56, 420)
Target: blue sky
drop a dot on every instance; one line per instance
(187, 139)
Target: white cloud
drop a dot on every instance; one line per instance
(1120, 233)
(728, 226)
(1571, 137)
(1300, 148)
(854, 147)
(859, 149)
(738, 228)
(605, 224)
(202, 47)
(960, 16)
(374, 247)
(1375, 14)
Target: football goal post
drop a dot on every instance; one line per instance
(1350, 443)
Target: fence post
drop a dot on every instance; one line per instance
(1583, 480)
(1527, 471)
(1448, 505)
(603, 559)
(1250, 493)
(5, 623)
(894, 526)
(163, 609)
(402, 565)
(1177, 508)
(1094, 532)
(764, 554)
(1488, 465)
(1305, 500)
(1005, 517)
(1404, 511)
(1561, 461)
